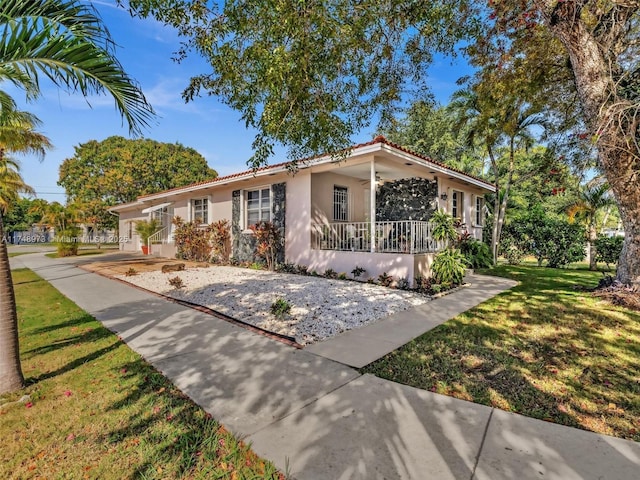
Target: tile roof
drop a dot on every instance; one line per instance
(379, 139)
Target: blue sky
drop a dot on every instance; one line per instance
(145, 49)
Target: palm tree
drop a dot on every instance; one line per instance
(591, 200)
(66, 42)
(11, 184)
(17, 134)
(503, 125)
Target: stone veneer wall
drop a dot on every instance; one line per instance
(407, 199)
(243, 246)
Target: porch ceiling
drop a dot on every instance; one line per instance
(385, 170)
(389, 170)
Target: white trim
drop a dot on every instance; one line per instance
(155, 207)
(244, 210)
(302, 164)
(206, 202)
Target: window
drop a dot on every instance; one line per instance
(200, 211)
(258, 206)
(479, 211)
(340, 204)
(457, 205)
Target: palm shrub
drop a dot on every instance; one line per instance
(442, 227)
(449, 266)
(146, 228)
(67, 242)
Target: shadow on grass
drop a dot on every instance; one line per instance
(177, 433)
(78, 362)
(88, 336)
(541, 349)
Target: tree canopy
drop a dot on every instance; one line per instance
(118, 170)
(310, 74)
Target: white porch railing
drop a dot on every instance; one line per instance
(161, 236)
(405, 236)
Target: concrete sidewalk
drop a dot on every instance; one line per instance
(323, 419)
(361, 346)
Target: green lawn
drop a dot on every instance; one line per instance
(98, 410)
(544, 349)
(17, 254)
(85, 251)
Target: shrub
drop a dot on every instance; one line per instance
(608, 249)
(330, 273)
(477, 253)
(385, 280)
(302, 270)
(192, 241)
(268, 242)
(280, 308)
(342, 276)
(220, 238)
(403, 284)
(449, 266)
(131, 272)
(557, 241)
(443, 229)
(67, 242)
(176, 282)
(358, 271)
(286, 268)
(146, 228)
(422, 284)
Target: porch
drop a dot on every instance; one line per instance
(404, 236)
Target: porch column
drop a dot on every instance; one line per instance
(372, 204)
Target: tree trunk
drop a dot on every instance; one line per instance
(10, 370)
(610, 118)
(591, 245)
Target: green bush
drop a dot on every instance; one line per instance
(477, 253)
(280, 308)
(449, 266)
(608, 249)
(555, 240)
(67, 242)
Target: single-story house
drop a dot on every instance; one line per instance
(370, 209)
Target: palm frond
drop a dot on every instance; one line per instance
(66, 42)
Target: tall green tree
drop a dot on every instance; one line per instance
(428, 129)
(66, 42)
(118, 170)
(310, 74)
(503, 124)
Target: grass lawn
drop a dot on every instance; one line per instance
(543, 349)
(82, 252)
(98, 410)
(17, 254)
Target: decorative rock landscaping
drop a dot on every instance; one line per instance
(320, 307)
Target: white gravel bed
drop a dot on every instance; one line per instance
(320, 307)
